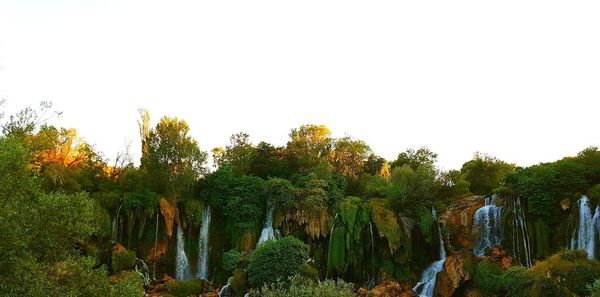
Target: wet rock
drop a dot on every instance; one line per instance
(458, 221)
(458, 269)
(387, 288)
(499, 255)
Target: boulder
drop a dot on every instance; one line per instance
(458, 222)
(457, 270)
(499, 255)
(387, 288)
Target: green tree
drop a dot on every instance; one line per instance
(414, 159)
(485, 173)
(174, 161)
(276, 260)
(308, 145)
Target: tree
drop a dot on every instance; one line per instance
(174, 160)
(307, 146)
(413, 159)
(349, 156)
(412, 189)
(276, 259)
(485, 173)
(238, 155)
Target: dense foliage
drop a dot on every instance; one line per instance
(75, 224)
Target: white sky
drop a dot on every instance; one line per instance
(519, 80)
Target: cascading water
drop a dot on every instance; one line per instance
(226, 289)
(182, 266)
(487, 224)
(520, 234)
(116, 224)
(584, 237)
(268, 233)
(426, 285)
(203, 244)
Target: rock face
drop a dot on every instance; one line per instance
(387, 288)
(457, 270)
(458, 221)
(500, 256)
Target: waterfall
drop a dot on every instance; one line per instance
(144, 273)
(426, 285)
(520, 235)
(487, 223)
(268, 232)
(226, 289)
(182, 266)
(115, 224)
(330, 237)
(203, 244)
(584, 238)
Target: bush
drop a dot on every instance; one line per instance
(516, 280)
(594, 288)
(231, 259)
(275, 260)
(122, 260)
(184, 288)
(488, 277)
(128, 284)
(302, 287)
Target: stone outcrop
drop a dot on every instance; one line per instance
(457, 270)
(168, 213)
(458, 222)
(499, 255)
(387, 288)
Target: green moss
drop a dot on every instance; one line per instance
(184, 288)
(336, 256)
(239, 283)
(542, 238)
(386, 223)
(309, 272)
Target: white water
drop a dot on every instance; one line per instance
(203, 244)
(182, 265)
(268, 233)
(116, 224)
(521, 242)
(226, 289)
(487, 223)
(584, 238)
(426, 285)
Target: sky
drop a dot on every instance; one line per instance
(519, 80)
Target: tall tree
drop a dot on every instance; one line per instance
(485, 173)
(413, 159)
(308, 145)
(174, 160)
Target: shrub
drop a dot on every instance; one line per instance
(274, 260)
(231, 259)
(302, 287)
(184, 288)
(488, 277)
(516, 280)
(594, 288)
(128, 284)
(571, 269)
(122, 259)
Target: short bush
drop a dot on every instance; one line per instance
(122, 260)
(275, 260)
(488, 277)
(302, 287)
(128, 284)
(184, 288)
(594, 288)
(231, 259)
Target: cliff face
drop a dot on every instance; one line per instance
(457, 222)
